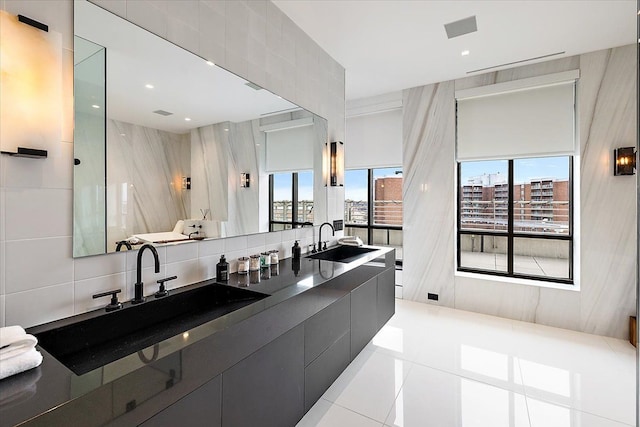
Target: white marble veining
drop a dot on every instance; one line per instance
(210, 166)
(605, 263)
(428, 192)
(144, 180)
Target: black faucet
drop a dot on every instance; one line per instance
(333, 233)
(138, 288)
(123, 242)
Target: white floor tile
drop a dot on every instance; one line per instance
(327, 414)
(544, 414)
(437, 398)
(435, 366)
(370, 384)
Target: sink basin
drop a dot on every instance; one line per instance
(87, 341)
(342, 253)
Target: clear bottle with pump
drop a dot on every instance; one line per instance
(222, 270)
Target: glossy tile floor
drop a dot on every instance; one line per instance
(434, 366)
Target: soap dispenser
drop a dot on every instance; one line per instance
(296, 250)
(222, 270)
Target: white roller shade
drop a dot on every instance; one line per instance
(290, 150)
(374, 140)
(525, 122)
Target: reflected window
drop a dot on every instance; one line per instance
(290, 200)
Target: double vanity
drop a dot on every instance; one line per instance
(215, 354)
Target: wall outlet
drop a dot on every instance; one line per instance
(338, 225)
(433, 297)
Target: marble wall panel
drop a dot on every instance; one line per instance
(210, 169)
(428, 192)
(144, 180)
(605, 221)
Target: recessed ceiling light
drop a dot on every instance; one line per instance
(187, 119)
(123, 134)
(226, 129)
(465, 53)
(95, 106)
(211, 64)
(148, 86)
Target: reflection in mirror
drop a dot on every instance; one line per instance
(162, 157)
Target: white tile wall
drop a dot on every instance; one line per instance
(39, 279)
(40, 305)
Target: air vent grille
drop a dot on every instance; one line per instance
(253, 86)
(461, 27)
(163, 113)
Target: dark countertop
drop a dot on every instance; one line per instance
(161, 374)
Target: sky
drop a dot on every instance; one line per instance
(282, 186)
(523, 169)
(355, 181)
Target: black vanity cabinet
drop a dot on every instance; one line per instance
(201, 407)
(266, 389)
(264, 365)
(327, 338)
(364, 315)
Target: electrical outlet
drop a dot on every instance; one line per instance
(433, 297)
(338, 225)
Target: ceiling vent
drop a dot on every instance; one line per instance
(163, 113)
(253, 86)
(461, 27)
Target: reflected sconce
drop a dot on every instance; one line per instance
(624, 161)
(186, 183)
(334, 164)
(245, 180)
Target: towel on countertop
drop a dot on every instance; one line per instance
(14, 341)
(14, 365)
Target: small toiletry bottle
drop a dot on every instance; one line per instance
(296, 250)
(222, 270)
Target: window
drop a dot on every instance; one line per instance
(373, 206)
(290, 200)
(515, 217)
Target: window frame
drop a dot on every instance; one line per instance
(294, 223)
(511, 235)
(370, 226)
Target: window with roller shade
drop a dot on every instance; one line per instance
(515, 148)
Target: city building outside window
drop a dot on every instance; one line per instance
(515, 218)
(373, 206)
(290, 200)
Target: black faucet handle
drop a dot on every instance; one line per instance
(324, 245)
(114, 304)
(163, 292)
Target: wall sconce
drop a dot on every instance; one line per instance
(245, 180)
(334, 164)
(624, 161)
(186, 183)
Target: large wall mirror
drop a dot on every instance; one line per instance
(170, 147)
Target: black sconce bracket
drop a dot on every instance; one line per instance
(31, 153)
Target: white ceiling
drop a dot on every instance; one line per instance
(387, 46)
(184, 84)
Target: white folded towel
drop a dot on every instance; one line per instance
(14, 341)
(21, 363)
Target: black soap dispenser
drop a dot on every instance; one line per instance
(222, 270)
(296, 250)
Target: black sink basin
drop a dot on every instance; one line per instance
(342, 253)
(86, 342)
